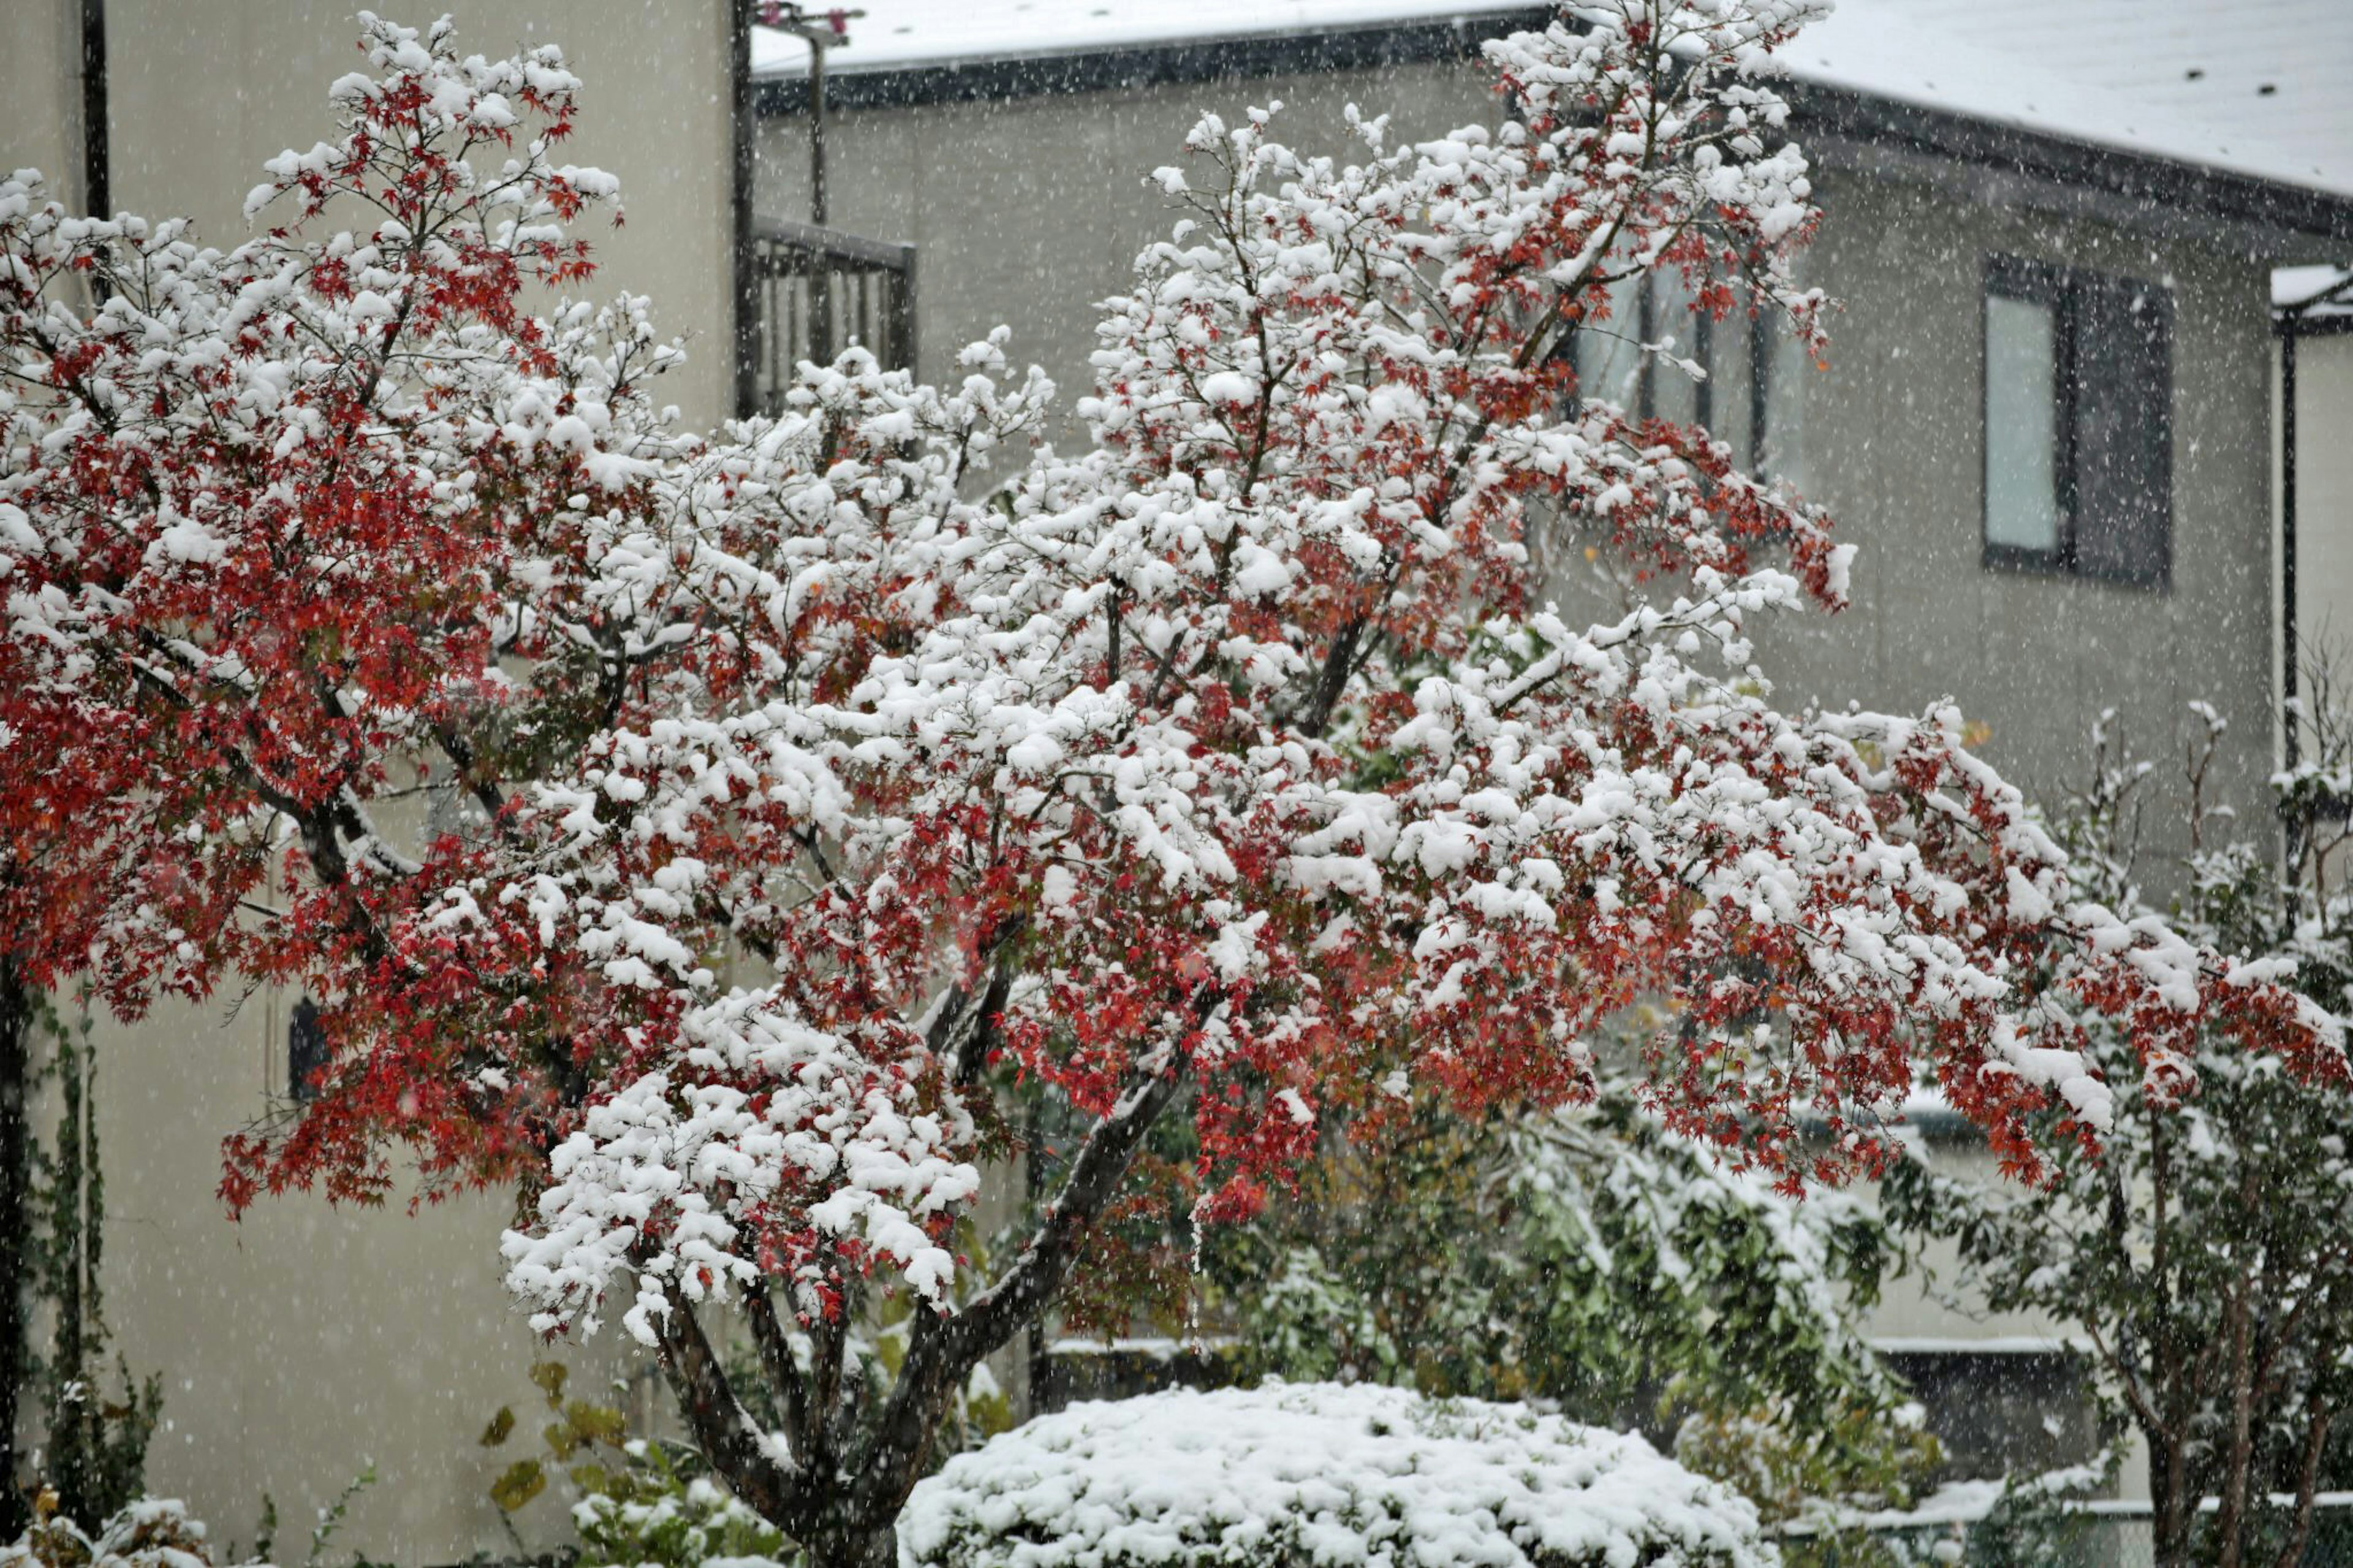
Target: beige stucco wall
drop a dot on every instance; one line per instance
(305, 1342)
(201, 92)
(40, 110)
(1897, 452)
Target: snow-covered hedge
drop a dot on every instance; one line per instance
(1290, 1475)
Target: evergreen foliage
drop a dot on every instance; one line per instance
(2201, 1253)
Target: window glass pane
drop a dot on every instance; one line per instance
(1674, 394)
(1609, 363)
(1787, 379)
(2022, 473)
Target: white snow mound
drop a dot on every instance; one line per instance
(1294, 1475)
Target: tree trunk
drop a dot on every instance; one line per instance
(2316, 1442)
(2172, 1516)
(17, 1002)
(2239, 1317)
(853, 1546)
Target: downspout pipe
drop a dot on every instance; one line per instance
(741, 129)
(97, 182)
(2289, 327)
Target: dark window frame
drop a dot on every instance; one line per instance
(306, 1052)
(2066, 292)
(2033, 283)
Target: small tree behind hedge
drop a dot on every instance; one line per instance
(2202, 1253)
(1589, 1258)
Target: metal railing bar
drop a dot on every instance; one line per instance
(883, 255)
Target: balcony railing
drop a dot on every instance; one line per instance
(822, 290)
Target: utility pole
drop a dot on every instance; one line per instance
(820, 30)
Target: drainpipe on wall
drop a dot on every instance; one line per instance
(2287, 326)
(97, 190)
(743, 125)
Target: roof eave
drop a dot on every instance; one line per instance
(2264, 216)
(2137, 189)
(1417, 42)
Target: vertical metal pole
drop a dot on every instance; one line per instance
(1704, 351)
(744, 127)
(821, 343)
(1760, 395)
(903, 325)
(1646, 327)
(97, 183)
(816, 134)
(2287, 538)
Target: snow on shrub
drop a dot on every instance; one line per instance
(148, 1533)
(1300, 1474)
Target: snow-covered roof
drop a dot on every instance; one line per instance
(906, 35)
(2252, 87)
(2319, 290)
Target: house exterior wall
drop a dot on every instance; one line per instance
(40, 114)
(1897, 452)
(1026, 212)
(307, 1341)
(201, 92)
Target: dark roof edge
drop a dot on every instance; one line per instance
(2166, 184)
(2169, 184)
(1154, 64)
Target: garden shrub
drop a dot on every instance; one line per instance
(1290, 1475)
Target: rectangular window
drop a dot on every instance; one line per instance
(1780, 366)
(2078, 422)
(1609, 353)
(306, 1051)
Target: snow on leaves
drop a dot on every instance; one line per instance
(766, 1147)
(1337, 1472)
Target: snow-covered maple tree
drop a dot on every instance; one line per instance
(818, 790)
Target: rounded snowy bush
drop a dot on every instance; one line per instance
(1294, 1475)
